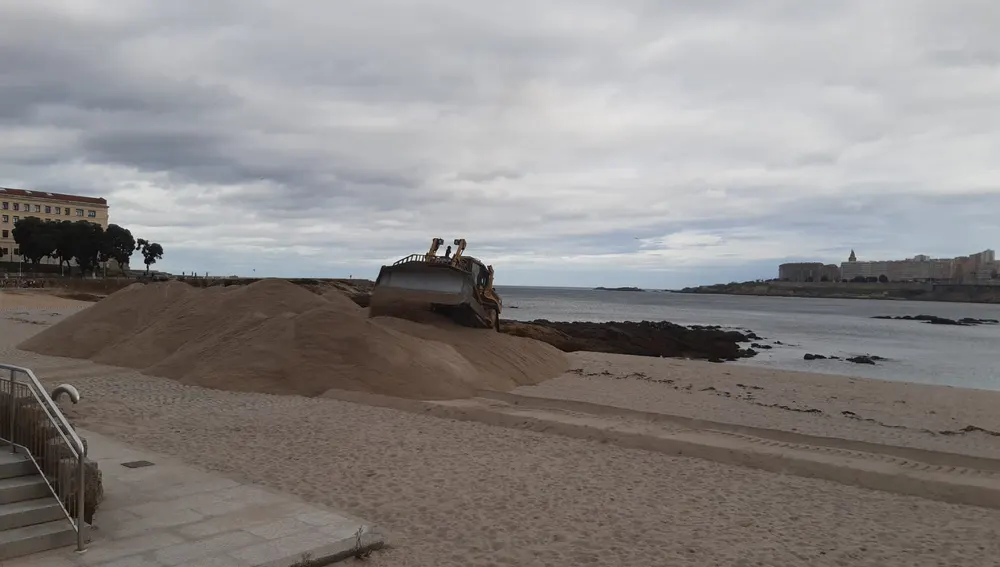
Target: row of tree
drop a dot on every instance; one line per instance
(86, 242)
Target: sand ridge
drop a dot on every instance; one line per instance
(279, 338)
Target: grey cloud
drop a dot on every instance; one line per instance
(553, 129)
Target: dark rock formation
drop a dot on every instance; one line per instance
(646, 338)
(618, 289)
(865, 359)
(810, 356)
(935, 320)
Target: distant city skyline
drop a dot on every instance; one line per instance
(980, 267)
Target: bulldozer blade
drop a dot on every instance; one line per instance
(401, 289)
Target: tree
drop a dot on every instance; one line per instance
(824, 278)
(859, 279)
(118, 245)
(88, 240)
(34, 238)
(63, 231)
(151, 252)
(883, 279)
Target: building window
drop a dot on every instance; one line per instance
(79, 212)
(92, 214)
(17, 206)
(38, 208)
(67, 211)
(27, 207)
(6, 218)
(5, 233)
(16, 218)
(48, 209)
(6, 205)
(58, 210)
(17, 251)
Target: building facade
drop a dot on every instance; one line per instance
(975, 268)
(16, 204)
(808, 272)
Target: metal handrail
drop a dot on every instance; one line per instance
(66, 432)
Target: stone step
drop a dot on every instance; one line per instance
(13, 465)
(36, 538)
(21, 488)
(29, 512)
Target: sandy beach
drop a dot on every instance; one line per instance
(460, 493)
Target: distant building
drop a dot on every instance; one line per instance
(16, 204)
(975, 268)
(808, 272)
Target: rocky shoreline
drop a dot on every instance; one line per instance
(644, 338)
(935, 320)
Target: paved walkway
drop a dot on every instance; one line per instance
(172, 514)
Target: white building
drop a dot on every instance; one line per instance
(980, 267)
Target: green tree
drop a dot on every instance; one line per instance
(151, 252)
(63, 231)
(883, 279)
(87, 242)
(119, 245)
(34, 238)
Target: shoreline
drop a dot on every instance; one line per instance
(483, 484)
(943, 293)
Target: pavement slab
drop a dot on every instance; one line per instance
(172, 514)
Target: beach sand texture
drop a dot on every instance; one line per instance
(457, 493)
(276, 337)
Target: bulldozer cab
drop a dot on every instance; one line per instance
(459, 286)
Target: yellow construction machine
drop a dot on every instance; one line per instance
(454, 284)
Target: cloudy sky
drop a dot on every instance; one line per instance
(572, 142)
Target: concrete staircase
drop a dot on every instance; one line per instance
(31, 519)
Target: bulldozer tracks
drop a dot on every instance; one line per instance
(947, 477)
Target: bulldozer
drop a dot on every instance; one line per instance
(455, 285)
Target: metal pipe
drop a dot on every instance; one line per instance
(13, 446)
(69, 390)
(80, 497)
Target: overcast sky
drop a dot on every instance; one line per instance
(572, 142)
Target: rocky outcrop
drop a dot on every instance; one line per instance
(935, 320)
(860, 359)
(865, 359)
(645, 338)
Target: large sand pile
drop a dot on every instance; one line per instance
(276, 337)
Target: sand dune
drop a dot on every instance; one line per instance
(279, 338)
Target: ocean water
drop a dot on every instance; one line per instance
(967, 357)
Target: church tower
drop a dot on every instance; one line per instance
(853, 257)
